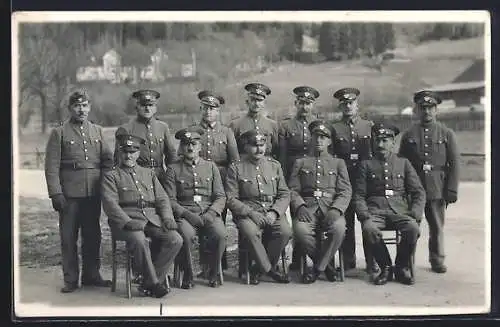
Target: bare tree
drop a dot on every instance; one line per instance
(48, 58)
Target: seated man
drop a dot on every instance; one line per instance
(321, 192)
(258, 197)
(196, 192)
(388, 192)
(138, 207)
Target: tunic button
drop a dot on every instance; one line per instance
(353, 140)
(208, 144)
(386, 171)
(85, 150)
(318, 174)
(150, 134)
(317, 182)
(386, 185)
(86, 158)
(426, 129)
(354, 148)
(386, 177)
(319, 160)
(386, 164)
(319, 167)
(133, 174)
(195, 183)
(81, 127)
(257, 127)
(261, 191)
(151, 151)
(257, 167)
(208, 152)
(426, 136)
(208, 136)
(195, 190)
(426, 154)
(136, 182)
(426, 145)
(83, 134)
(84, 142)
(209, 159)
(305, 128)
(260, 183)
(194, 174)
(258, 176)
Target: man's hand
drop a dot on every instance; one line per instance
(333, 214)
(417, 216)
(271, 217)
(257, 218)
(134, 225)
(192, 218)
(209, 217)
(170, 224)
(450, 197)
(58, 202)
(371, 231)
(303, 215)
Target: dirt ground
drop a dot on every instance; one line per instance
(463, 289)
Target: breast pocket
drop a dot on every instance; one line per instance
(69, 147)
(206, 185)
(184, 185)
(331, 175)
(247, 186)
(439, 152)
(341, 146)
(306, 177)
(365, 146)
(398, 180)
(126, 194)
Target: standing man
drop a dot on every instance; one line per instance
(432, 149)
(295, 138)
(258, 197)
(75, 155)
(138, 207)
(321, 193)
(256, 120)
(388, 192)
(351, 141)
(218, 143)
(197, 194)
(159, 147)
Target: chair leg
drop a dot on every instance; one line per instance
(129, 276)
(113, 265)
(303, 265)
(247, 266)
(341, 265)
(283, 263)
(221, 273)
(177, 275)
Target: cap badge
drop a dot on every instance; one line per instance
(188, 135)
(321, 127)
(129, 142)
(427, 98)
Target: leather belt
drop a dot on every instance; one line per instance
(262, 198)
(387, 193)
(194, 198)
(316, 194)
(150, 165)
(138, 204)
(429, 167)
(79, 165)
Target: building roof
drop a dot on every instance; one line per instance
(458, 86)
(474, 73)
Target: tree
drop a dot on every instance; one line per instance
(47, 59)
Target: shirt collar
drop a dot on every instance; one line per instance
(348, 120)
(206, 125)
(191, 162)
(143, 120)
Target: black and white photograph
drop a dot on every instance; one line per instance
(197, 164)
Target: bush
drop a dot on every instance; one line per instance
(309, 57)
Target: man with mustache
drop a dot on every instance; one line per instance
(388, 193)
(256, 120)
(432, 149)
(295, 139)
(138, 207)
(351, 141)
(258, 197)
(159, 148)
(218, 143)
(321, 193)
(76, 154)
(197, 194)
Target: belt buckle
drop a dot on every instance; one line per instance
(354, 156)
(197, 198)
(427, 167)
(389, 192)
(317, 194)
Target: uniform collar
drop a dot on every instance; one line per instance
(191, 162)
(323, 154)
(386, 159)
(252, 160)
(307, 117)
(128, 169)
(347, 120)
(256, 117)
(76, 122)
(427, 125)
(143, 120)
(206, 125)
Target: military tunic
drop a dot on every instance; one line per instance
(197, 187)
(432, 149)
(136, 194)
(351, 141)
(262, 124)
(76, 153)
(159, 148)
(321, 183)
(294, 141)
(388, 193)
(259, 185)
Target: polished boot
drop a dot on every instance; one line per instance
(69, 288)
(385, 276)
(310, 276)
(254, 275)
(403, 275)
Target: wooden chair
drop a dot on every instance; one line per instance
(128, 272)
(395, 240)
(340, 270)
(204, 253)
(245, 259)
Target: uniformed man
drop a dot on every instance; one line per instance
(159, 147)
(388, 193)
(321, 193)
(138, 207)
(295, 139)
(256, 120)
(351, 141)
(432, 149)
(197, 194)
(218, 143)
(258, 197)
(75, 156)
